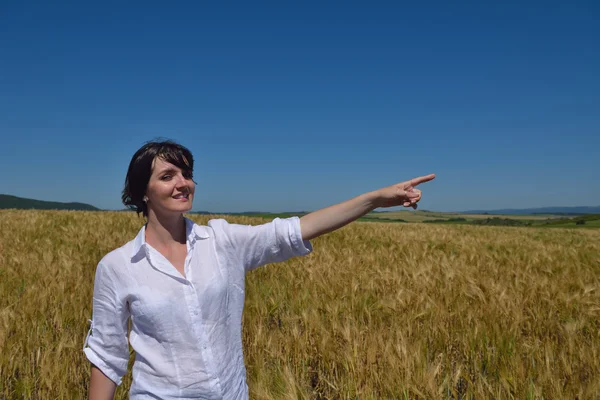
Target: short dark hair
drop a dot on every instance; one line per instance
(140, 170)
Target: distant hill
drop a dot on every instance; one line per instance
(7, 201)
(542, 210)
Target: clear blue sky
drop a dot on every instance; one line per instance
(298, 105)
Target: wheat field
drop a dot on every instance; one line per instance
(377, 311)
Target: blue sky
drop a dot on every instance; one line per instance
(296, 106)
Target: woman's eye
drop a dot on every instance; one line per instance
(166, 177)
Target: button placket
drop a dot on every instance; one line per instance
(195, 312)
(188, 261)
(198, 326)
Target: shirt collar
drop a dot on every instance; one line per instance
(193, 232)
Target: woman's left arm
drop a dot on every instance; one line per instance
(328, 219)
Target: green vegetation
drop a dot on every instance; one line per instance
(14, 202)
(582, 221)
(538, 220)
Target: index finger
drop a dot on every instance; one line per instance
(421, 179)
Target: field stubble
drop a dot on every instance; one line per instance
(377, 311)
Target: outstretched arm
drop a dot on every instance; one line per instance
(334, 217)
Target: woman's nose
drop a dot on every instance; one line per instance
(181, 181)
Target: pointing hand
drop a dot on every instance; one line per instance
(403, 194)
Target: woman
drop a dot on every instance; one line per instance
(182, 284)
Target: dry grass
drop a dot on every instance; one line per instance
(377, 311)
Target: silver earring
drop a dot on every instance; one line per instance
(145, 199)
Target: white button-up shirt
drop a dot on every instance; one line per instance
(186, 331)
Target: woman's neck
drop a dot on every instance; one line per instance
(165, 230)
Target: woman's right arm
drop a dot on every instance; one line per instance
(101, 387)
(107, 346)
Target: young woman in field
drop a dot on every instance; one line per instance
(182, 284)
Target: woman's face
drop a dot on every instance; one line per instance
(170, 189)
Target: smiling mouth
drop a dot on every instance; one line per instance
(182, 196)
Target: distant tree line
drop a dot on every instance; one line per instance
(8, 201)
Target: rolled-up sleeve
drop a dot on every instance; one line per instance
(106, 345)
(257, 245)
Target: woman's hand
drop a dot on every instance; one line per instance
(402, 194)
(334, 217)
